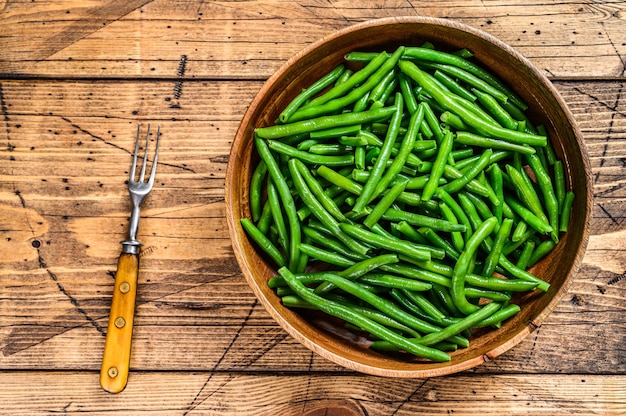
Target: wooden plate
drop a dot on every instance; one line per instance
(546, 107)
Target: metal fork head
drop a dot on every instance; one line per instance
(139, 188)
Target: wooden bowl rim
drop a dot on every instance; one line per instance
(424, 370)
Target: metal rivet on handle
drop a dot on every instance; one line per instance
(120, 322)
(113, 372)
(124, 287)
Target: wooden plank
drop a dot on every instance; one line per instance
(251, 39)
(64, 209)
(215, 393)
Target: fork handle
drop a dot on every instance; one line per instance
(116, 358)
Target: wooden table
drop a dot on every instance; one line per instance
(75, 79)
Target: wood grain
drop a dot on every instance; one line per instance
(251, 39)
(317, 394)
(188, 272)
(75, 78)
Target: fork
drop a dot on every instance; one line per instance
(116, 358)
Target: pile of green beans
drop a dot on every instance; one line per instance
(408, 194)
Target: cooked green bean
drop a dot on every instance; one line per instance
(438, 166)
(311, 91)
(324, 122)
(288, 203)
(463, 264)
(391, 281)
(277, 215)
(419, 220)
(376, 173)
(403, 214)
(470, 118)
(566, 211)
(263, 242)
(498, 244)
(395, 245)
(355, 79)
(347, 314)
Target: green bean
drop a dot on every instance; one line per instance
(463, 264)
(470, 118)
(456, 236)
(419, 220)
(470, 210)
(319, 211)
(496, 110)
(266, 218)
(520, 230)
(378, 91)
(359, 269)
(355, 79)
(377, 170)
(468, 322)
(524, 258)
(391, 281)
(472, 139)
(541, 251)
(559, 183)
(498, 244)
(308, 93)
(326, 256)
(440, 296)
(404, 229)
(451, 59)
(312, 109)
(497, 185)
(347, 314)
(334, 132)
(549, 197)
(432, 121)
(457, 184)
(383, 319)
(403, 154)
(333, 245)
(453, 85)
(324, 122)
(263, 242)
(451, 173)
(549, 149)
(341, 160)
(289, 205)
(440, 242)
(330, 149)
(526, 193)
(424, 304)
(384, 204)
(277, 215)
(499, 316)
(523, 274)
(498, 284)
(337, 194)
(528, 216)
(481, 206)
(352, 141)
(438, 166)
(566, 211)
(318, 191)
(479, 293)
(407, 93)
(412, 272)
(395, 245)
(255, 190)
(456, 210)
(339, 180)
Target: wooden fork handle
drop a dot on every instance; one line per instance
(116, 358)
